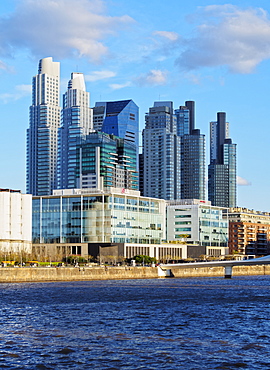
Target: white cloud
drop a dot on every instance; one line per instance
(171, 36)
(242, 182)
(20, 91)
(228, 36)
(119, 86)
(154, 77)
(99, 75)
(61, 28)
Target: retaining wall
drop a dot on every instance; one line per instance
(40, 274)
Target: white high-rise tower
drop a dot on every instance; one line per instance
(76, 122)
(42, 131)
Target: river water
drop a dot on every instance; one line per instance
(206, 323)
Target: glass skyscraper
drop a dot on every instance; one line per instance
(76, 122)
(192, 153)
(120, 118)
(222, 168)
(161, 153)
(42, 132)
(104, 161)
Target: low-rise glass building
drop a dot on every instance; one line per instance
(114, 216)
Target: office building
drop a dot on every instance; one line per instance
(119, 118)
(161, 153)
(222, 167)
(15, 223)
(76, 122)
(198, 223)
(192, 153)
(249, 232)
(42, 132)
(115, 222)
(106, 161)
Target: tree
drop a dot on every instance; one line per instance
(140, 258)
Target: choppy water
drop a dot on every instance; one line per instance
(137, 324)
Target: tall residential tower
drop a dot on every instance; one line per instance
(42, 132)
(192, 153)
(161, 153)
(76, 122)
(222, 168)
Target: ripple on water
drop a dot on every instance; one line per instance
(140, 324)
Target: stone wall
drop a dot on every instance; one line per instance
(40, 274)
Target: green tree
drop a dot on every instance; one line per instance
(140, 258)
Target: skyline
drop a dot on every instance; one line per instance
(145, 52)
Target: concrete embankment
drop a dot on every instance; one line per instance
(219, 271)
(31, 274)
(39, 274)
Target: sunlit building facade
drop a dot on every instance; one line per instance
(15, 222)
(112, 216)
(104, 160)
(161, 153)
(249, 232)
(41, 171)
(198, 222)
(76, 122)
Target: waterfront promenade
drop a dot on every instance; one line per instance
(43, 274)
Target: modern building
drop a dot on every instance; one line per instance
(106, 161)
(42, 132)
(119, 118)
(198, 223)
(161, 153)
(222, 168)
(76, 122)
(15, 222)
(114, 224)
(89, 222)
(192, 153)
(98, 117)
(249, 232)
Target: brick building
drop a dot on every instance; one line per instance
(249, 232)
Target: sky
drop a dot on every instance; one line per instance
(213, 52)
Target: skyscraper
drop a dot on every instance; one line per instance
(192, 153)
(104, 161)
(42, 132)
(222, 167)
(76, 122)
(161, 153)
(120, 118)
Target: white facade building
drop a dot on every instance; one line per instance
(15, 221)
(42, 132)
(198, 222)
(76, 122)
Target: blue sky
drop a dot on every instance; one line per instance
(214, 52)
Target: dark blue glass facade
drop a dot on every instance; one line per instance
(121, 118)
